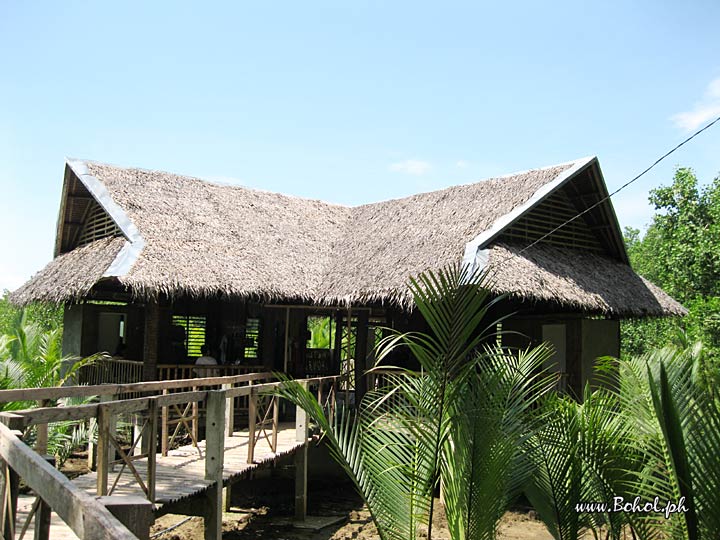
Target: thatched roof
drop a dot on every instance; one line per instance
(72, 275)
(582, 280)
(188, 236)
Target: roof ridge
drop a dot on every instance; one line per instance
(348, 206)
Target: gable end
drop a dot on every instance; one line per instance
(546, 216)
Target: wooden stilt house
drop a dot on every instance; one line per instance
(152, 265)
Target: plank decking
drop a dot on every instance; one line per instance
(180, 475)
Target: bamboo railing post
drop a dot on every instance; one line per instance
(252, 417)
(103, 449)
(43, 513)
(151, 434)
(214, 456)
(229, 412)
(165, 429)
(41, 437)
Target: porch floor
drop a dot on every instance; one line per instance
(180, 476)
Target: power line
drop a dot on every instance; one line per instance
(626, 184)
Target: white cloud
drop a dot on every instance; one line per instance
(705, 110)
(462, 164)
(411, 166)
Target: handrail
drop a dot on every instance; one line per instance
(84, 514)
(44, 415)
(57, 392)
(86, 519)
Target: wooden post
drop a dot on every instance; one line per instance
(275, 423)
(337, 347)
(103, 449)
(348, 356)
(195, 419)
(134, 512)
(301, 435)
(165, 430)
(229, 412)
(93, 426)
(286, 350)
(92, 446)
(252, 416)
(229, 429)
(41, 438)
(214, 455)
(43, 513)
(150, 337)
(11, 486)
(361, 341)
(151, 435)
(333, 397)
(137, 434)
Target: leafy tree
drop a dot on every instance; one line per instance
(680, 252)
(44, 315)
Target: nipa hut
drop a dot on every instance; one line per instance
(152, 265)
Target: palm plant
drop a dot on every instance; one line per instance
(31, 357)
(461, 417)
(581, 453)
(676, 425)
(652, 432)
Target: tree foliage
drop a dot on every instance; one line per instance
(680, 252)
(47, 317)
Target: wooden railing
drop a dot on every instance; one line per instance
(87, 516)
(219, 417)
(167, 372)
(120, 371)
(111, 370)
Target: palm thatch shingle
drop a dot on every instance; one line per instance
(192, 237)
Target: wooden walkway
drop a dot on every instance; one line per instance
(188, 480)
(179, 476)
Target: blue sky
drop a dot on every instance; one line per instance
(347, 102)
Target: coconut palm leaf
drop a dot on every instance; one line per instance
(392, 446)
(483, 465)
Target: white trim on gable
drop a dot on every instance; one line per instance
(472, 256)
(135, 243)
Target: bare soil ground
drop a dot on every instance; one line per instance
(264, 509)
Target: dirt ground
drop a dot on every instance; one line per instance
(264, 509)
(264, 506)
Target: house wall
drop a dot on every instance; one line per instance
(600, 337)
(72, 330)
(582, 342)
